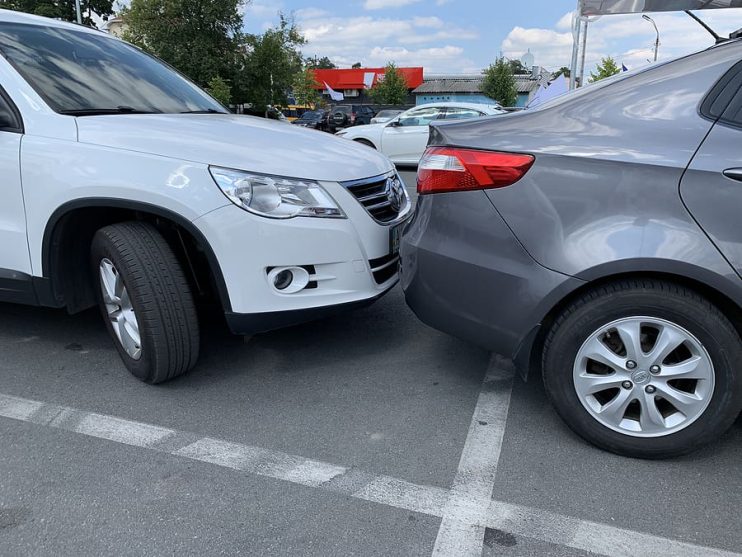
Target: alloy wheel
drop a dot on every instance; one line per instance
(120, 310)
(644, 377)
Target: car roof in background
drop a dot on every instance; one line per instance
(453, 104)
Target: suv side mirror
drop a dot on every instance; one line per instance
(394, 124)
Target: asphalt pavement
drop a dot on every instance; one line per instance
(364, 434)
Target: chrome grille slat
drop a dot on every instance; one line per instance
(379, 195)
(372, 208)
(371, 194)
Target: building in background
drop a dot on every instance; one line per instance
(115, 26)
(355, 83)
(452, 88)
(468, 87)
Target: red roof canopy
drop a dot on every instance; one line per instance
(354, 78)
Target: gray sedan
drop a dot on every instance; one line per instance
(596, 240)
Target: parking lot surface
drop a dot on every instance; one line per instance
(363, 434)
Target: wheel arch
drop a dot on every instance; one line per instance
(366, 141)
(723, 293)
(66, 245)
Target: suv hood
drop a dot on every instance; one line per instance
(234, 141)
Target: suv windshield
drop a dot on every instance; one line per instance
(83, 73)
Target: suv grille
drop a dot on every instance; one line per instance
(375, 195)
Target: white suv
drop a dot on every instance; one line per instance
(127, 186)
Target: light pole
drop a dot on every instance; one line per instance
(77, 9)
(657, 42)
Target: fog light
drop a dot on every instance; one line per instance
(288, 280)
(283, 279)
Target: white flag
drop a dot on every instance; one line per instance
(334, 95)
(368, 79)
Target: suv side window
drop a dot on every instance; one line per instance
(9, 118)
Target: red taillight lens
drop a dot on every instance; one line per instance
(447, 169)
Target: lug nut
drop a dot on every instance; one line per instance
(654, 370)
(650, 389)
(627, 385)
(631, 364)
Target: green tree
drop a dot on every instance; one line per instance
(392, 89)
(304, 89)
(499, 83)
(272, 62)
(200, 39)
(220, 89)
(564, 70)
(606, 68)
(518, 67)
(61, 9)
(357, 65)
(323, 63)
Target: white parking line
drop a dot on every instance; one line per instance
(433, 501)
(475, 477)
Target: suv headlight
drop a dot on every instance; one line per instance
(275, 197)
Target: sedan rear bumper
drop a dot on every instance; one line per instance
(465, 273)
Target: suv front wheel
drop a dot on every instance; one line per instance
(644, 368)
(145, 300)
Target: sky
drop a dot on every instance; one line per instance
(465, 36)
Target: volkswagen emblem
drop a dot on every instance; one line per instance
(395, 193)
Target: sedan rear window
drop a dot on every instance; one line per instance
(78, 72)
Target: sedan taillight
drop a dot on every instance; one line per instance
(449, 169)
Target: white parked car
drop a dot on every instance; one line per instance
(404, 138)
(125, 185)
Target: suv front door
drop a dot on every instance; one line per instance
(15, 262)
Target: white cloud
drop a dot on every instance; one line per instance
(627, 38)
(261, 9)
(433, 22)
(381, 4)
(374, 41)
(565, 23)
(311, 13)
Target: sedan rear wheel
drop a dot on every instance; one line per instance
(644, 368)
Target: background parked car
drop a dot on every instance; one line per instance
(384, 116)
(315, 119)
(404, 137)
(346, 115)
(598, 238)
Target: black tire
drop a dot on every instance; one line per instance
(647, 298)
(365, 142)
(160, 295)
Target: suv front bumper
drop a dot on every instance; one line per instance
(349, 261)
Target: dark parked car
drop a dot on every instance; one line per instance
(347, 115)
(315, 119)
(597, 239)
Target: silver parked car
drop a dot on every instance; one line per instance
(597, 239)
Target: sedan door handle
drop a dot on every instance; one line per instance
(734, 174)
